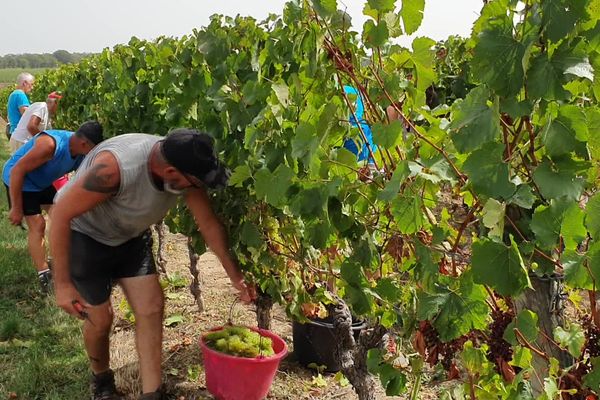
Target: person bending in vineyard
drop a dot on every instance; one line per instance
(28, 177)
(100, 235)
(37, 118)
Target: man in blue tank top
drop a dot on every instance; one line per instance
(99, 236)
(28, 177)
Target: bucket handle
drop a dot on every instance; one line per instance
(230, 323)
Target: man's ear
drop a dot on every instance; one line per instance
(170, 170)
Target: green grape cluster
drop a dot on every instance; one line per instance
(240, 341)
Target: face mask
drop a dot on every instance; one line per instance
(168, 188)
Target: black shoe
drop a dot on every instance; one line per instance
(45, 279)
(158, 395)
(103, 386)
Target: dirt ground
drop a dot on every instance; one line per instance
(182, 361)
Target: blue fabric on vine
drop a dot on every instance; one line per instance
(16, 100)
(350, 144)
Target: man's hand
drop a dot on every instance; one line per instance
(15, 216)
(67, 297)
(247, 291)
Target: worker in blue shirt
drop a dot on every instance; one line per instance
(18, 100)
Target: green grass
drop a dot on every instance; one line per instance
(9, 75)
(41, 348)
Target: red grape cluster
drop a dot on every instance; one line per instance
(592, 337)
(434, 350)
(500, 351)
(395, 247)
(431, 342)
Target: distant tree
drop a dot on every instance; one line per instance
(45, 60)
(63, 57)
(48, 60)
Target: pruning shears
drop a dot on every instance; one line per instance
(81, 310)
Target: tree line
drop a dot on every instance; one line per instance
(44, 60)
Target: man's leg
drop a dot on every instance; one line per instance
(36, 229)
(48, 209)
(33, 203)
(89, 269)
(145, 296)
(96, 332)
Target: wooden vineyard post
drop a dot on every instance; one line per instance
(264, 304)
(352, 353)
(546, 300)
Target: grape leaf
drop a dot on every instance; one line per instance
(592, 216)
(407, 213)
(567, 132)
(454, 312)
(239, 175)
(422, 57)
(305, 142)
(577, 276)
(573, 229)
(273, 186)
(573, 339)
(412, 15)
(174, 320)
(493, 217)
(495, 44)
(388, 135)
(527, 324)
(393, 380)
(488, 173)
(474, 122)
(500, 267)
(547, 221)
(560, 16)
(325, 7)
(558, 180)
(375, 35)
(393, 185)
(251, 236)
(592, 378)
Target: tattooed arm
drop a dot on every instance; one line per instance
(99, 183)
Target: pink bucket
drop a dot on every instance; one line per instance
(60, 182)
(238, 378)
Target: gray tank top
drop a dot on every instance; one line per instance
(138, 203)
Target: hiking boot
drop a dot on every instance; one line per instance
(45, 279)
(103, 386)
(158, 395)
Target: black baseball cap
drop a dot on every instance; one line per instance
(91, 130)
(193, 154)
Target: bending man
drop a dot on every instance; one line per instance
(37, 118)
(99, 235)
(28, 177)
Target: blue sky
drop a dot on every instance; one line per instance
(38, 26)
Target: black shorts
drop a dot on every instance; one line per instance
(33, 201)
(95, 266)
